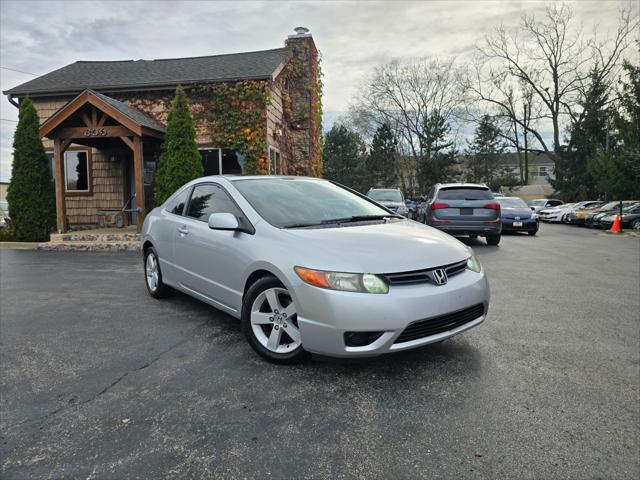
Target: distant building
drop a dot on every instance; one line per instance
(3, 191)
(541, 167)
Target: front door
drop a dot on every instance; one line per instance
(210, 262)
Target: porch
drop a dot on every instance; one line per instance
(104, 158)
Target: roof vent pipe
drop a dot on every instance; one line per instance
(301, 30)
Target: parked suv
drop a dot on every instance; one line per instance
(390, 198)
(465, 209)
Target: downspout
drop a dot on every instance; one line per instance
(13, 102)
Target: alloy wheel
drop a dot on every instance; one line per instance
(151, 270)
(636, 224)
(274, 321)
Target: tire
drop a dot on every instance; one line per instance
(269, 322)
(493, 240)
(532, 232)
(153, 275)
(636, 224)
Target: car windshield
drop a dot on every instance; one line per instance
(507, 202)
(464, 193)
(537, 203)
(609, 206)
(385, 195)
(300, 202)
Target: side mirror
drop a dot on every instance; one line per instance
(223, 221)
(533, 209)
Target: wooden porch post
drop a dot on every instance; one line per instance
(61, 208)
(137, 166)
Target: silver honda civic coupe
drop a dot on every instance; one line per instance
(309, 266)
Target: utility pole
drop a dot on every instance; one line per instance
(526, 147)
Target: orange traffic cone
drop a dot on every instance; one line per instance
(615, 228)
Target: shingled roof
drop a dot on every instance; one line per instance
(136, 74)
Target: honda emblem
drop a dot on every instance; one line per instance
(439, 276)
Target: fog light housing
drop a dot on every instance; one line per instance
(360, 339)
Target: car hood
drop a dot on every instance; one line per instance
(376, 248)
(516, 212)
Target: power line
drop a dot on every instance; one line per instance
(19, 71)
(7, 120)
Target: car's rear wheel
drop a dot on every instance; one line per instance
(636, 224)
(153, 275)
(270, 322)
(493, 239)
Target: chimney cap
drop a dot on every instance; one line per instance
(301, 32)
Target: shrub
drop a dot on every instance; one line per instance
(31, 194)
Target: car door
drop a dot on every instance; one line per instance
(164, 233)
(211, 262)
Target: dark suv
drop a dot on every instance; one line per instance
(465, 209)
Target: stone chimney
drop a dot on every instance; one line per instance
(307, 137)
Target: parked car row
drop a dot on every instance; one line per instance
(594, 213)
(465, 209)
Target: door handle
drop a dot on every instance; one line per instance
(183, 230)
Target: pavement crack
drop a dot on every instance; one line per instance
(188, 338)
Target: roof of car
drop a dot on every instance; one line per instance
(466, 185)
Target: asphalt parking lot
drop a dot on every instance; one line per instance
(101, 381)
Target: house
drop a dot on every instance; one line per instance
(541, 167)
(3, 191)
(103, 123)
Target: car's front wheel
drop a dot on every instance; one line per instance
(153, 275)
(636, 224)
(270, 322)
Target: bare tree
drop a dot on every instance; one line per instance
(544, 64)
(404, 95)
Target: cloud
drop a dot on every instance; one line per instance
(353, 37)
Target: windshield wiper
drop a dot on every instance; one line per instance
(360, 218)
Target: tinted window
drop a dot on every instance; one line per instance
(285, 202)
(508, 202)
(76, 169)
(385, 195)
(465, 193)
(176, 205)
(207, 199)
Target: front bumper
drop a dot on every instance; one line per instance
(325, 315)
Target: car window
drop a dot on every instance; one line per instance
(385, 195)
(207, 199)
(287, 202)
(511, 202)
(176, 205)
(464, 193)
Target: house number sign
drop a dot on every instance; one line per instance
(95, 132)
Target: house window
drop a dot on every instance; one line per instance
(217, 161)
(542, 171)
(76, 171)
(274, 161)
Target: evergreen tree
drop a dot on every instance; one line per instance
(344, 156)
(180, 160)
(31, 194)
(381, 163)
(616, 170)
(484, 151)
(437, 153)
(587, 136)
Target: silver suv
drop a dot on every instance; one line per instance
(465, 209)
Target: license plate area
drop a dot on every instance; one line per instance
(517, 224)
(466, 211)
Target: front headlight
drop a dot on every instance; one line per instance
(346, 282)
(473, 264)
(402, 210)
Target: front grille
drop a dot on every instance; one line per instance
(422, 276)
(443, 323)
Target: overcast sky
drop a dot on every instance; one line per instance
(354, 37)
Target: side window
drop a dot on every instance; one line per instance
(207, 199)
(176, 206)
